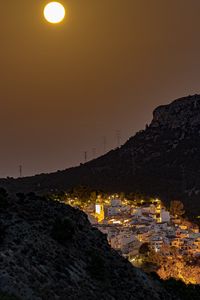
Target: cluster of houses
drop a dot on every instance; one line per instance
(129, 225)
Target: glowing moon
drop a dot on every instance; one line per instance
(54, 12)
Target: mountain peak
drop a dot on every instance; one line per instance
(181, 113)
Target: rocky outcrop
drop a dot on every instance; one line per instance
(50, 251)
(183, 113)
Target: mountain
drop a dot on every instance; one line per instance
(50, 251)
(163, 160)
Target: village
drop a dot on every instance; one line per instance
(129, 224)
(146, 231)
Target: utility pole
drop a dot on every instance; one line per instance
(85, 156)
(20, 171)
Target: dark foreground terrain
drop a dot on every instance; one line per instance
(50, 251)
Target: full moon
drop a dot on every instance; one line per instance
(54, 12)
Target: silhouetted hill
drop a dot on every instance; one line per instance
(162, 160)
(50, 251)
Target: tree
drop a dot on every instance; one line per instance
(144, 249)
(82, 193)
(93, 197)
(177, 208)
(122, 196)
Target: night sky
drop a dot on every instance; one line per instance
(105, 68)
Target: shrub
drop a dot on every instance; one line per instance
(96, 265)
(21, 197)
(2, 233)
(63, 230)
(3, 199)
(144, 249)
(181, 290)
(4, 296)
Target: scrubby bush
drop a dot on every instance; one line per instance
(63, 230)
(3, 199)
(96, 266)
(144, 249)
(2, 233)
(4, 296)
(181, 290)
(21, 197)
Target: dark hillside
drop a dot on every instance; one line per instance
(50, 251)
(163, 160)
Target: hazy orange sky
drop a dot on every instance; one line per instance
(104, 69)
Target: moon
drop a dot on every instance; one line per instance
(54, 12)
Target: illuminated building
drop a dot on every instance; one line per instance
(99, 212)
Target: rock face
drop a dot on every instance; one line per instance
(162, 160)
(50, 251)
(181, 113)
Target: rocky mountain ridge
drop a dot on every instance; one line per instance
(163, 161)
(181, 113)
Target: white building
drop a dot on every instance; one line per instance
(113, 211)
(156, 243)
(116, 202)
(164, 216)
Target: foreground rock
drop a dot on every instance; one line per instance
(50, 251)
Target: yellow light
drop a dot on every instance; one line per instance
(54, 12)
(133, 259)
